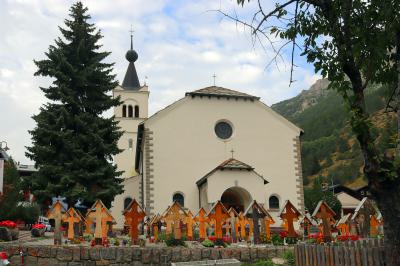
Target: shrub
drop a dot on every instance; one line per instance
(289, 257)
(208, 243)
(172, 242)
(220, 242)
(277, 240)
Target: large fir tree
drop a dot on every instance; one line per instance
(73, 143)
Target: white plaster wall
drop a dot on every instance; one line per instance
(222, 180)
(186, 147)
(131, 187)
(125, 160)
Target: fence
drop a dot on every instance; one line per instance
(227, 262)
(366, 252)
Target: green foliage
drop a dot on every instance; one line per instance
(11, 207)
(288, 255)
(73, 144)
(173, 242)
(315, 194)
(276, 240)
(208, 243)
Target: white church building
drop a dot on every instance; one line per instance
(213, 144)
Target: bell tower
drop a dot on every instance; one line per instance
(132, 111)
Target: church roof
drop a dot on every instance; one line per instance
(131, 80)
(231, 164)
(214, 91)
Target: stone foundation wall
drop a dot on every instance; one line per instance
(85, 256)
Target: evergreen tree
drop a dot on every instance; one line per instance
(73, 144)
(10, 207)
(316, 193)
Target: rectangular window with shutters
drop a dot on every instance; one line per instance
(130, 144)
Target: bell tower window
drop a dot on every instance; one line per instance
(136, 111)
(130, 111)
(124, 110)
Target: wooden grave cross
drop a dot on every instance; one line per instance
(176, 215)
(374, 226)
(154, 225)
(189, 224)
(56, 214)
(102, 216)
(233, 223)
(256, 212)
(290, 214)
(362, 215)
(219, 214)
(202, 219)
(344, 225)
(71, 217)
(242, 223)
(326, 214)
(134, 214)
(268, 220)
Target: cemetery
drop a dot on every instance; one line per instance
(179, 236)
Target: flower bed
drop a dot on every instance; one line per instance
(9, 230)
(38, 230)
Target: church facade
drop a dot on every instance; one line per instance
(213, 144)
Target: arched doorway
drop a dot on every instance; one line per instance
(236, 197)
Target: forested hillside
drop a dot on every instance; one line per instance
(329, 148)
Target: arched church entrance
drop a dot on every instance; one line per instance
(237, 198)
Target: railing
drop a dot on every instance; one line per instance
(365, 252)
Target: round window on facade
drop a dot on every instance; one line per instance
(223, 130)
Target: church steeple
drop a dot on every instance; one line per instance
(131, 80)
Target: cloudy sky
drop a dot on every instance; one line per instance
(181, 44)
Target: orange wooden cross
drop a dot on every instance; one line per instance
(175, 215)
(56, 214)
(99, 213)
(134, 214)
(219, 213)
(290, 214)
(374, 225)
(71, 217)
(189, 224)
(154, 225)
(233, 223)
(202, 219)
(268, 220)
(242, 223)
(326, 214)
(344, 224)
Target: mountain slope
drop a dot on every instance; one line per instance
(329, 148)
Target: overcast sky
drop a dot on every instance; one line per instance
(180, 43)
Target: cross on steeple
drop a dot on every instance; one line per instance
(214, 76)
(131, 31)
(232, 151)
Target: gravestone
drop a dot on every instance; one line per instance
(71, 217)
(55, 213)
(218, 213)
(326, 214)
(202, 219)
(290, 214)
(175, 215)
(134, 214)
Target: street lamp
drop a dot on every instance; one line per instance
(1, 146)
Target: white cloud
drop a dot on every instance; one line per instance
(180, 44)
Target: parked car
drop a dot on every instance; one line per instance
(45, 221)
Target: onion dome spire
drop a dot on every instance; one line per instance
(131, 80)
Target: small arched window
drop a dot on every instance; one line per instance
(127, 201)
(273, 202)
(136, 110)
(130, 144)
(130, 111)
(178, 197)
(124, 110)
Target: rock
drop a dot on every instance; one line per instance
(5, 234)
(35, 232)
(215, 254)
(245, 254)
(64, 254)
(47, 262)
(14, 233)
(278, 261)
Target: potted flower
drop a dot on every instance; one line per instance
(9, 231)
(38, 230)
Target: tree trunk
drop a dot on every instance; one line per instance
(388, 203)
